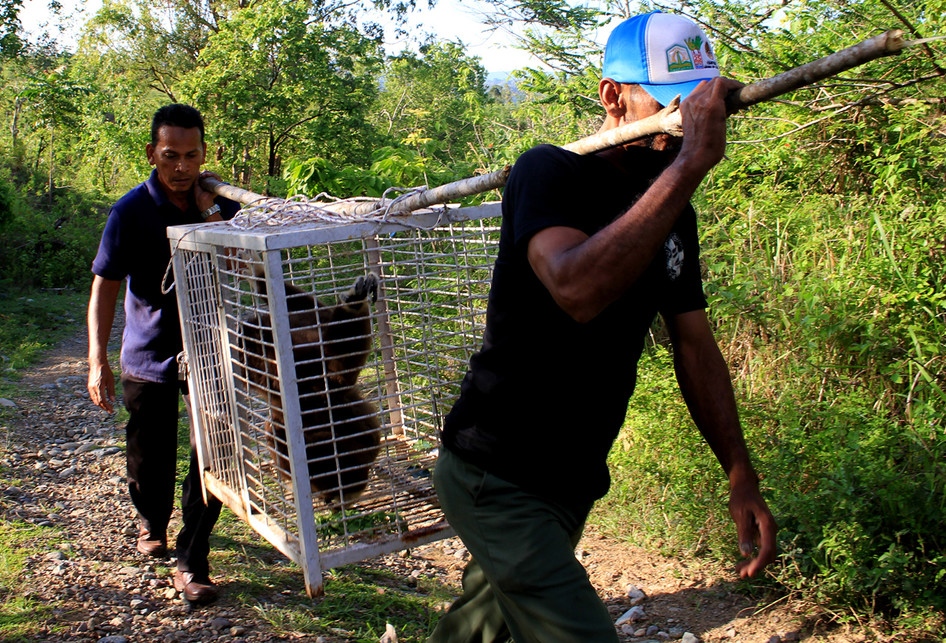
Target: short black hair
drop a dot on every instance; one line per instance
(176, 115)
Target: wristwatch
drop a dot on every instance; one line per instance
(209, 212)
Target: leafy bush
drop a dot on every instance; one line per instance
(824, 269)
(390, 167)
(51, 245)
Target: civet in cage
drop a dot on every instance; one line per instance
(322, 358)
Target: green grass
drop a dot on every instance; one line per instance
(357, 603)
(21, 617)
(858, 496)
(31, 323)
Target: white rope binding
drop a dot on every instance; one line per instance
(298, 209)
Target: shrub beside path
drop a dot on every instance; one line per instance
(64, 461)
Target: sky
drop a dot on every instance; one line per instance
(449, 20)
(456, 20)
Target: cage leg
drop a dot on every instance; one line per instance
(301, 490)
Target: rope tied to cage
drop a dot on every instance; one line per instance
(270, 212)
(274, 212)
(261, 211)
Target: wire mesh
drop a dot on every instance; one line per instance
(319, 407)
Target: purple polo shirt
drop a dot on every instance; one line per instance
(135, 247)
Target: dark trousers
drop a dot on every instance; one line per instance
(151, 444)
(523, 581)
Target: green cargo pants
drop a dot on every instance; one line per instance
(523, 581)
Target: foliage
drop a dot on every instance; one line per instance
(31, 322)
(10, 42)
(48, 231)
(667, 487)
(429, 117)
(390, 166)
(433, 104)
(275, 80)
(48, 244)
(845, 273)
(560, 102)
(821, 239)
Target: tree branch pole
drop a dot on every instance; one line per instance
(668, 120)
(441, 194)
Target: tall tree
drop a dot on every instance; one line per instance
(277, 76)
(52, 102)
(434, 104)
(278, 79)
(163, 40)
(10, 42)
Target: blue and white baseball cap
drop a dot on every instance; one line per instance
(665, 54)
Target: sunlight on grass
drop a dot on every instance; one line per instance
(30, 324)
(21, 619)
(357, 604)
(20, 616)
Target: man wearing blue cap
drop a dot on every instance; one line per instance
(592, 248)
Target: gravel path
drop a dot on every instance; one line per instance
(67, 460)
(67, 464)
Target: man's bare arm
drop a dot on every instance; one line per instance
(585, 274)
(101, 315)
(704, 381)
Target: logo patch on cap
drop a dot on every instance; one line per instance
(694, 44)
(678, 59)
(710, 59)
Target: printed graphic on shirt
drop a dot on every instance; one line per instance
(673, 249)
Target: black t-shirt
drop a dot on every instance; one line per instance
(545, 396)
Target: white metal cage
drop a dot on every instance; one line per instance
(318, 423)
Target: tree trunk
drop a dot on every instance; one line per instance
(52, 139)
(272, 156)
(14, 130)
(246, 174)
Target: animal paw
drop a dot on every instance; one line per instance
(364, 287)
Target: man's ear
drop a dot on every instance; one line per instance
(612, 98)
(149, 152)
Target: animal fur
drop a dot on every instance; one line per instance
(330, 344)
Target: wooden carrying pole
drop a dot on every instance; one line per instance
(668, 120)
(441, 194)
